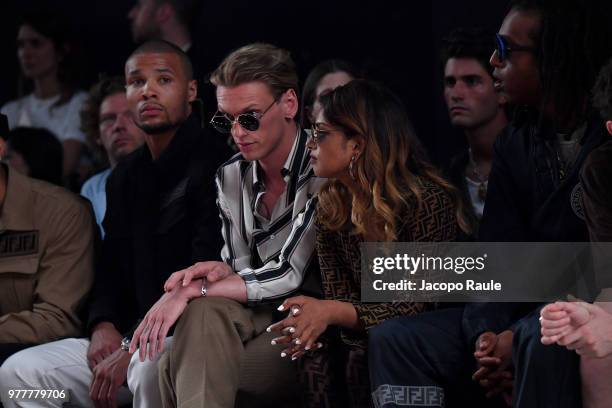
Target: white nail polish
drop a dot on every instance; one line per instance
(307, 348)
(273, 342)
(283, 354)
(281, 308)
(269, 329)
(298, 342)
(292, 330)
(293, 358)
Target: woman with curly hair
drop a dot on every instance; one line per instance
(381, 188)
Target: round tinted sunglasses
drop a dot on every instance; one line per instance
(504, 50)
(249, 121)
(317, 134)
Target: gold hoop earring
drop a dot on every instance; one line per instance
(351, 166)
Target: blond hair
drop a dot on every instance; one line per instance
(258, 62)
(391, 172)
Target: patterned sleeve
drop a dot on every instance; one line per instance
(235, 251)
(435, 221)
(283, 275)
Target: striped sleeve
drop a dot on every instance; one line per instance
(284, 274)
(235, 251)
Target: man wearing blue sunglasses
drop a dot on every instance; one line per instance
(547, 70)
(547, 55)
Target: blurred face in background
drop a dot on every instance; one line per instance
(328, 83)
(470, 95)
(37, 54)
(143, 18)
(119, 135)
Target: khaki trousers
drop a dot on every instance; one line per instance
(219, 348)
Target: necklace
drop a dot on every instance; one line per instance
(481, 178)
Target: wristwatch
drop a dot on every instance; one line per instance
(125, 343)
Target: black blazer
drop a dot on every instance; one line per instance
(161, 217)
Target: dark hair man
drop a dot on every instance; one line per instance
(109, 124)
(268, 255)
(476, 107)
(542, 67)
(161, 216)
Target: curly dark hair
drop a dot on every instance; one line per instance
(90, 115)
(574, 42)
(602, 92)
(474, 43)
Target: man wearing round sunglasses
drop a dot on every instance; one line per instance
(220, 344)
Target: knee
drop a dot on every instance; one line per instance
(206, 308)
(141, 375)
(20, 371)
(163, 366)
(394, 332)
(8, 374)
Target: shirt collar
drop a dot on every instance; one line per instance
(291, 167)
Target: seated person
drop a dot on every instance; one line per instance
(533, 182)
(161, 216)
(361, 131)
(46, 263)
(477, 109)
(48, 63)
(36, 153)
(110, 126)
(324, 77)
(583, 327)
(263, 195)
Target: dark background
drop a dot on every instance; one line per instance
(396, 43)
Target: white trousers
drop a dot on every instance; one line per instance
(62, 365)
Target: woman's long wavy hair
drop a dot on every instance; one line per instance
(390, 171)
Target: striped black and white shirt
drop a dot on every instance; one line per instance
(272, 256)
